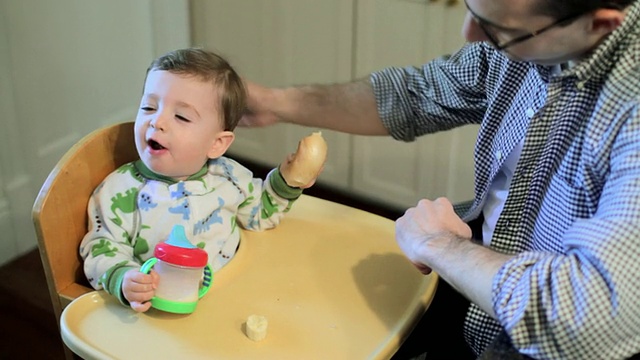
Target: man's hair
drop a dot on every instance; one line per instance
(564, 8)
(208, 67)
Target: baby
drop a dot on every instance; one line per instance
(192, 101)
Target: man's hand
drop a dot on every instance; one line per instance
(258, 113)
(425, 230)
(138, 288)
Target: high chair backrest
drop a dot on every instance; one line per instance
(60, 210)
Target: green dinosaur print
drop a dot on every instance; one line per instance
(125, 236)
(103, 248)
(249, 199)
(140, 244)
(125, 203)
(233, 224)
(246, 202)
(128, 168)
(141, 247)
(269, 207)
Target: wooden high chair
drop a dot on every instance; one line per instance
(60, 210)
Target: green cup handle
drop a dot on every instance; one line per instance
(148, 265)
(206, 281)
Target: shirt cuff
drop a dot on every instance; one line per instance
(113, 285)
(281, 188)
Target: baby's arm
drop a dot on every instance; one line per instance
(109, 249)
(264, 202)
(283, 185)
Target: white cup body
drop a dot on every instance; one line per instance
(178, 283)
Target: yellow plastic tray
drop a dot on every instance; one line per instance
(330, 279)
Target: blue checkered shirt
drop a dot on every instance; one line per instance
(572, 215)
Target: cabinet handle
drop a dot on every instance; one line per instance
(452, 2)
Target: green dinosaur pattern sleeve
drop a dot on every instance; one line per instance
(263, 207)
(109, 243)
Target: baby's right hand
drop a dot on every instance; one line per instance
(138, 288)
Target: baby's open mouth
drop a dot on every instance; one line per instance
(155, 145)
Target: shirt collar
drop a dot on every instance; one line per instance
(602, 59)
(150, 175)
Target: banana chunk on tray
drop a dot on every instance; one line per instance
(256, 327)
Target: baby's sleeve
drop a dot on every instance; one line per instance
(107, 249)
(266, 201)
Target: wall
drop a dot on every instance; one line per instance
(70, 66)
(66, 68)
(284, 42)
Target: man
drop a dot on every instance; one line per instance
(549, 253)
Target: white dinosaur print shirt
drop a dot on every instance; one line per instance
(133, 209)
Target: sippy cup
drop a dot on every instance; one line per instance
(180, 266)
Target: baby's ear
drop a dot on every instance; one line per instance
(220, 145)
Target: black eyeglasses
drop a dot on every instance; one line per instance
(484, 25)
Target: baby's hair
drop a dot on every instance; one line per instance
(208, 67)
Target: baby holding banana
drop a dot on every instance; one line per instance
(192, 101)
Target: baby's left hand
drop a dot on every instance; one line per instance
(302, 168)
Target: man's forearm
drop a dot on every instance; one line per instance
(469, 268)
(349, 107)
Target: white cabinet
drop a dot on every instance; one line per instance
(285, 42)
(277, 43)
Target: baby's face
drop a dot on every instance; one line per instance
(177, 123)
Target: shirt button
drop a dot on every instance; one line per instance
(580, 85)
(530, 112)
(499, 155)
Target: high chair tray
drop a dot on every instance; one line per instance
(330, 279)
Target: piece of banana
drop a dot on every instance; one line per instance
(256, 327)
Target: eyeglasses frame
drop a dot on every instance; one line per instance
(482, 23)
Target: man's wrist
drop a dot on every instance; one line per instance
(444, 247)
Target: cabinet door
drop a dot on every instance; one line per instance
(401, 33)
(278, 43)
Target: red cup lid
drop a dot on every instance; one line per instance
(178, 250)
(192, 257)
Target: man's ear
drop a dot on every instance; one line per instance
(606, 21)
(223, 140)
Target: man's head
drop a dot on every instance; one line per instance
(543, 31)
(192, 101)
